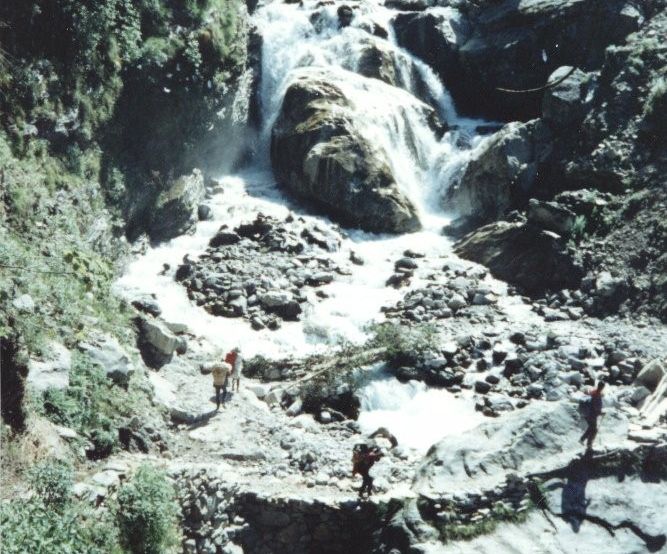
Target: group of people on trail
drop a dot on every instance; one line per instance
(364, 455)
(223, 371)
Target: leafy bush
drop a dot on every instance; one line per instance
(655, 108)
(93, 405)
(52, 481)
(32, 526)
(146, 512)
(51, 522)
(578, 230)
(404, 344)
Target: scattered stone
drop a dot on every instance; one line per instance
(52, 371)
(107, 353)
(482, 387)
(651, 375)
(24, 303)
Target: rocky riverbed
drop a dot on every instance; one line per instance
(447, 225)
(268, 474)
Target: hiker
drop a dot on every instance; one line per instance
(593, 411)
(220, 372)
(235, 359)
(363, 459)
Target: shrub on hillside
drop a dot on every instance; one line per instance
(52, 480)
(32, 526)
(655, 108)
(93, 405)
(51, 522)
(146, 512)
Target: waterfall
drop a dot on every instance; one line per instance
(393, 119)
(307, 39)
(302, 39)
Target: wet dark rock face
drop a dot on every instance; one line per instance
(533, 258)
(14, 372)
(483, 46)
(318, 153)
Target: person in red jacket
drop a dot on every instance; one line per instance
(363, 459)
(593, 412)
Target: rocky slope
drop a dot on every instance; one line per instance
(597, 140)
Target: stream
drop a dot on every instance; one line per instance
(424, 166)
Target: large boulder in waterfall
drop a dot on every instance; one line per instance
(175, 210)
(502, 174)
(513, 44)
(319, 152)
(378, 60)
(541, 437)
(522, 254)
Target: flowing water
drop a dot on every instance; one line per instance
(306, 39)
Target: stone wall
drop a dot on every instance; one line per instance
(219, 517)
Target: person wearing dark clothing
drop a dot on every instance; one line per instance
(363, 459)
(593, 412)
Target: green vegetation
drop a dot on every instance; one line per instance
(141, 520)
(655, 107)
(52, 480)
(94, 406)
(451, 529)
(103, 103)
(32, 526)
(51, 521)
(578, 230)
(146, 513)
(55, 246)
(403, 344)
(129, 92)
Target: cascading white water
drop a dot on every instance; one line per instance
(415, 414)
(423, 165)
(391, 118)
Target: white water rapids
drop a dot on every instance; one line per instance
(423, 165)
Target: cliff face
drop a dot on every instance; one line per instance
(105, 105)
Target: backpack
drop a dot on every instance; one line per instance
(586, 407)
(358, 454)
(230, 358)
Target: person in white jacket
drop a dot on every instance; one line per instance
(237, 368)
